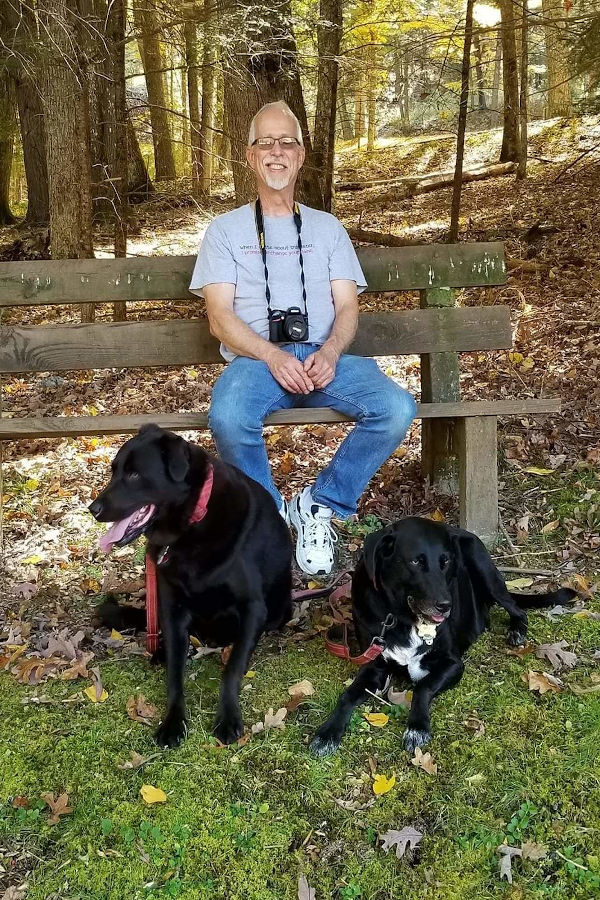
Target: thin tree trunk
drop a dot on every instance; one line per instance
(209, 101)
(263, 67)
(359, 114)
(371, 78)
(185, 126)
(329, 32)
(496, 78)
(557, 58)
(344, 116)
(522, 165)
(116, 35)
(481, 104)
(139, 183)
(510, 137)
(68, 139)
(191, 59)
(147, 24)
(462, 124)
(7, 139)
(406, 88)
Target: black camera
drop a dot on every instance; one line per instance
(287, 326)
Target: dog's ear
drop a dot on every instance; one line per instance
(177, 456)
(378, 547)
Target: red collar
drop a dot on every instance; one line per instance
(198, 514)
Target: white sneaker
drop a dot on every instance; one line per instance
(316, 537)
(284, 512)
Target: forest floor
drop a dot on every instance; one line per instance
(513, 766)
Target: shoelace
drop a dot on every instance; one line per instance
(319, 532)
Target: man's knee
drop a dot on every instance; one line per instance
(228, 421)
(397, 409)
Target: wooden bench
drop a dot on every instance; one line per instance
(459, 438)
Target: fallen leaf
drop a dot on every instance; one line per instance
(353, 805)
(476, 779)
(32, 560)
(400, 698)
(542, 682)
(507, 854)
(424, 761)
(273, 720)
(404, 840)
(305, 892)
(14, 893)
(25, 589)
(116, 635)
(523, 650)
(558, 657)
(475, 725)
(377, 720)
(59, 806)
(580, 583)
(531, 850)
(301, 689)
(437, 516)
(140, 710)
(536, 470)
(381, 784)
(91, 693)
(516, 584)
(136, 761)
(152, 794)
(550, 526)
(577, 689)
(20, 802)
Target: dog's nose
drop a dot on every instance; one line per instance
(443, 606)
(95, 508)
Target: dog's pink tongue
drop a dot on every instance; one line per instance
(115, 533)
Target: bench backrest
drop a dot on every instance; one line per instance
(176, 342)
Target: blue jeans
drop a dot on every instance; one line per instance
(246, 393)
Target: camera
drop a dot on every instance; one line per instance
(289, 325)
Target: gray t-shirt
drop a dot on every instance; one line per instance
(230, 253)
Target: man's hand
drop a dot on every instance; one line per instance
(288, 371)
(320, 366)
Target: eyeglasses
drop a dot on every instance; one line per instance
(266, 143)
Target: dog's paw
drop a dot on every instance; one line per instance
(414, 737)
(172, 731)
(159, 657)
(326, 741)
(228, 728)
(516, 637)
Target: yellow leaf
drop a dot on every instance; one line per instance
(517, 584)
(116, 635)
(437, 516)
(377, 720)
(527, 364)
(381, 784)
(250, 673)
(152, 794)
(90, 692)
(515, 357)
(194, 641)
(536, 470)
(582, 614)
(580, 583)
(400, 453)
(313, 585)
(92, 411)
(31, 484)
(32, 559)
(550, 526)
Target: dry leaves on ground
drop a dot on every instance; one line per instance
(424, 761)
(542, 682)
(475, 725)
(507, 853)
(59, 806)
(400, 698)
(271, 720)
(557, 655)
(140, 710)
(305, 892)
(136, 761)
(403, 840)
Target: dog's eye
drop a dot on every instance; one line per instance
(417, 562)
(444, 560)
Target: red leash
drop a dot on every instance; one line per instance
(152, 629)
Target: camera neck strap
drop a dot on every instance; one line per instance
(260, 230)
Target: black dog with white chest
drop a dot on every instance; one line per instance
(424, 589)
(223, 557)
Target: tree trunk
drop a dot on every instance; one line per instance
(329, 32)
(116, 35)
(185, 124)
(481, 104)
(139, 183)
(262, 67)
(344, 116)
(18, 25)
(462, 124)
(147, 25)
(522, 165)
(406, 89)
(359, 112)
(67, 138)
(191, 61)
(557, 57)
(209, 100)
(496, 79)
(371, 93)
(510, 137)
(7, 139)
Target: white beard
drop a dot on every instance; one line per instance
(277, 182)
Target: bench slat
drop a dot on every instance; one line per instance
(176, 342)
(64, 426)
(41, 282)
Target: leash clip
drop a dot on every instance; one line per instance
(389, 622)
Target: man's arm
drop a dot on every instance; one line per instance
(320, 366)
(239, 337)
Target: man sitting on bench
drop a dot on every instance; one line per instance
(281, 286)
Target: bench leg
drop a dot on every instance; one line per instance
(478, 476)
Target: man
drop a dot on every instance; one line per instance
(275, 255)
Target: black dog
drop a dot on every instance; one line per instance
(425, 589)
(226, 578)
